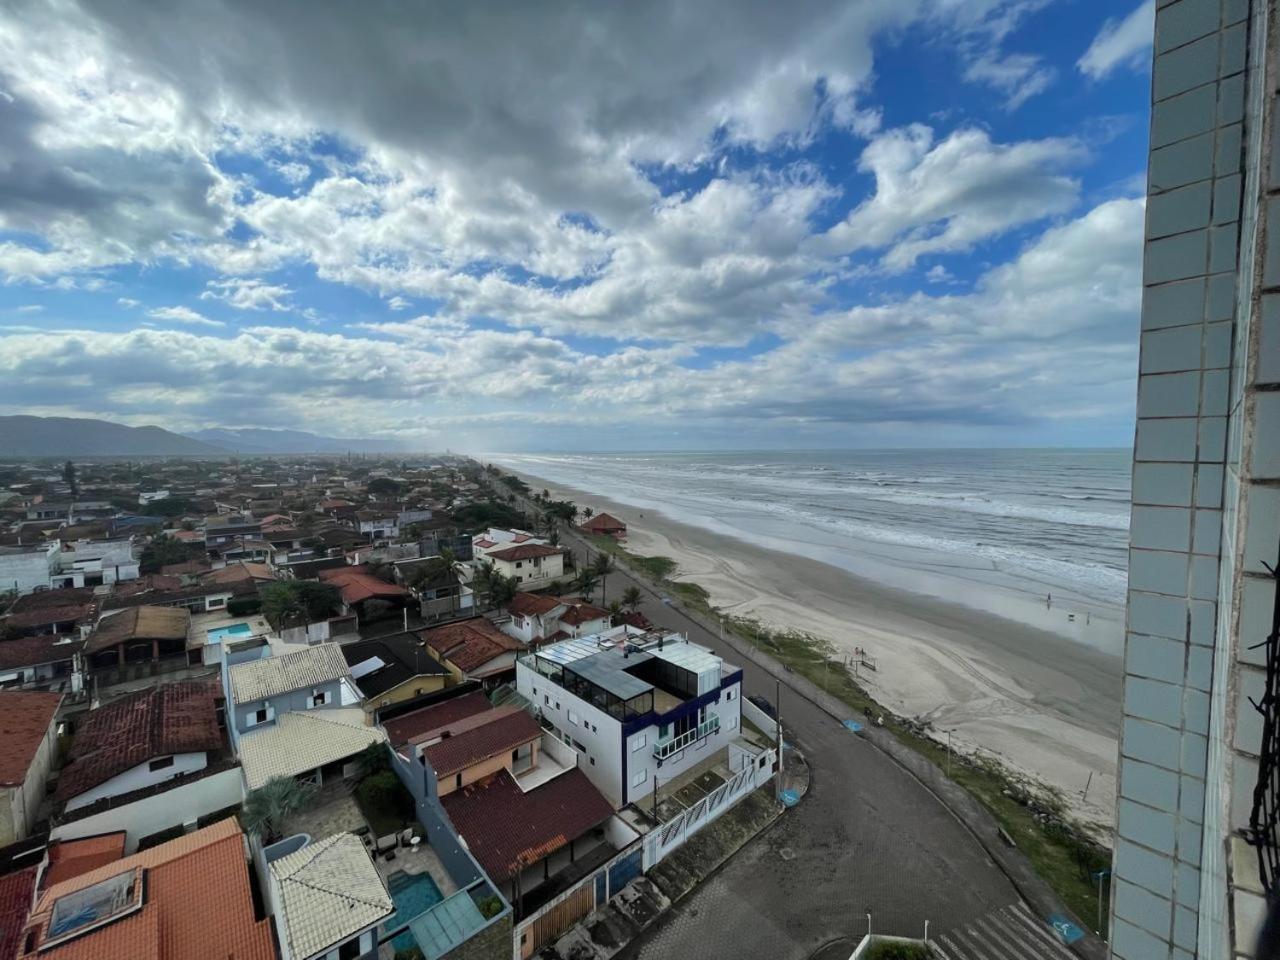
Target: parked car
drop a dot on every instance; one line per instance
(764, 705)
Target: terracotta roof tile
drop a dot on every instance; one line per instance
(71, 858)
(603, 523)
(420, 722)
(580, 613)
(357, 585)
(30, 651)
(508, 830)
(496, 732)
(470, 644)
(41, 616)
(532, 604)
(25, 716)
(524, 551)
(188, 881)
(140, 623)
(16, 893)
(171, 718)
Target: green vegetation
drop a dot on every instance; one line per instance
(383, 486)
(163, 551)
(295, 602)
(489, 906)
(1034, 815)
(385, 803)
(475, 517)
(166, 508)
(267, 809)
(244, 606)
(899, 951)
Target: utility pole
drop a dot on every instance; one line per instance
(777, 720)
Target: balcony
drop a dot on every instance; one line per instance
(665, 748)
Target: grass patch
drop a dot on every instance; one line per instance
(1033, 814)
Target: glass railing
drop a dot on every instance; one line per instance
(665, 748)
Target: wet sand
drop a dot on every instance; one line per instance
(1045, 705)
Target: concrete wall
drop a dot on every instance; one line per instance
(1205, 503)
(288, 702)
(141, 776)
(161, 811)
(28, 570)
(411, 689)
(19, 806)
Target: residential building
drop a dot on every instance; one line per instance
(261, 691)
(1198, 826)
(358, 587)
(197, 597)
(46, 661)
(635, 707)
(51, 617)
(143, 741)
(533, 566)
(329, 901)
(28, 742)
(319, 746)
(37, 567)
(96, 562)
(138, 634)
(499, 538)
(17, 894)
(474, 747)
(536, 619)
(183, 899)
(378, 525)
(474, 649)
(224, 530)
(420, 723)
(605, 525)
(394, 669)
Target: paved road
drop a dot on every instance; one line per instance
(868, 838)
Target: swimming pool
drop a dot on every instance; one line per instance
(218, 634)
(413, 893)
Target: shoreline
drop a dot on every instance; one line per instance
(1046, 706)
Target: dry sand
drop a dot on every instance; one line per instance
(1045, 705)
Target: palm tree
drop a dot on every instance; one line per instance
(586, 513)
(267, 809)
(604, 566)
(631, 598)
(586, 581)
(615, 612)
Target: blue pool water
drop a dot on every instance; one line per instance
(218, 634)
(413, 893)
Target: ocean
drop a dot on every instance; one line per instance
(1036, 535)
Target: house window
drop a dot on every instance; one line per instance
(546, 700)
(730, 694)
(515, 755)
(160, 764)
(593, 760)
(733, 722)
(580, 747)
(639, 743)
(640, 777)
(573, 717)
(349, 950)
(319, 698)
(458, 782)
(258, 716)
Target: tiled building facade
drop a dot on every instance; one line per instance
(1206, 491)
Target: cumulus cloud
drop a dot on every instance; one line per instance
(1121, 44)
(249, 294)
(947, 196)
(184, 315)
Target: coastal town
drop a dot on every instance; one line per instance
(391, 707)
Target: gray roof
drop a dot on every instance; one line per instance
(270, 677)
(607, 670)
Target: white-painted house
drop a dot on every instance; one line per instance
(635, 707)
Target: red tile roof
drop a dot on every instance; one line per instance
(420, 722)
(25, 716)
(188, 881)
(470, 644)
(30, 651)
(171, 718)
(16, 893)
(53, 598)
(508, 830)
(484, 542)
(603, 523)
(525, 551)
(482, 737)
(580, 613)
(357, 585)
(532, 604)
(144, 622)
(71, 858)
(42, 616)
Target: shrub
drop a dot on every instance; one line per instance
(899, 951)
(244, 606)
(489, 906)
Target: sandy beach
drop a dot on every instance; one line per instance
(1045, 705)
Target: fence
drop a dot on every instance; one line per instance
(666, 837)
(759, 719)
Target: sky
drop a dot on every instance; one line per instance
(578, 226)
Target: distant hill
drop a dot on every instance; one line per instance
(23, 436)
(258, 441)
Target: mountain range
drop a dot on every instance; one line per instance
(25, 436)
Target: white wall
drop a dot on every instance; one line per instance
(141, 776)
(28, 570)
(160, 811)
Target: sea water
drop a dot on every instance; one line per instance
(1039, 536)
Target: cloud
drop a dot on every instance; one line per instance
(249, 294)
(128, 302)
(398, 304)
(30, 308)
(1018, 76)
(184, 315)
(948, 196)
(1121, 44)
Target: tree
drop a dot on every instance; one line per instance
(586, 513)
(631, 598)
(69, 476)
(297, 602)
(604, 566)
(586, 580)
(615, 612)
(491, 588)
(163, 551)
(382, 569)
(383, 485)
(267, 809)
